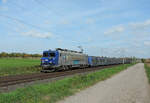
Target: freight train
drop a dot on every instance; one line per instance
(63, 59)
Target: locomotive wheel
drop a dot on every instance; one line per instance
(66, 67)
(63, 67)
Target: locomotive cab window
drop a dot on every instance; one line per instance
(52, 54)
(45, 54)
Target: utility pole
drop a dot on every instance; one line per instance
(80, 47)
(123, 50)
(101, 51)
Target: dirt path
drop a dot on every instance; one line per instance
(129, 86)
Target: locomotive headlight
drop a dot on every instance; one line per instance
(46, 59)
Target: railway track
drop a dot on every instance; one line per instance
(18, 79)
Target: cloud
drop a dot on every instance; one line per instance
(60, 41)
(47, 22)
(136, 28)
(140, 25)
(140, 30)
(20, 25)
(4, 1)
(90, 21)
(31, 33)
(116, 29)
(4, 8)
(36, 34)
(147, 43)
(64, 22)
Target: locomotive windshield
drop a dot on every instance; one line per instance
(45, 54)
(52, 54)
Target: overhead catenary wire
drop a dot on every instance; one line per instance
(32, 25)
(27, 23)
(24, 22)
(16, 5)
(41, 4)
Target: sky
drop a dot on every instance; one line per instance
(113, 28)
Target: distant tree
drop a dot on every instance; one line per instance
(36, 55)
(143, 60)
(24, 55)
(12, 55)
(3, 54)
(17, 54)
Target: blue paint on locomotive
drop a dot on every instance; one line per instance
(50, 58)
(90, 61)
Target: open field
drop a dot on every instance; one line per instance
(13, 66)
(52, 92)
(147, 69)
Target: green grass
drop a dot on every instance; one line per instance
(13, 66)
(147, 69)
(53, 92)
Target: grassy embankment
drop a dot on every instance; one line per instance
(147, 69)
(13, 66)
(53, 92)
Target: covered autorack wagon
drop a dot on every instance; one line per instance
(72, 58)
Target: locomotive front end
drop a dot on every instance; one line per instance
(49, 61)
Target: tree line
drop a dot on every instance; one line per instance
(4, 54)
(146, 60)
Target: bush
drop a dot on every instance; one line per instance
(24, 55)
(147, 69)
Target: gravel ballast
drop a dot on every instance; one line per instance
(129, 86)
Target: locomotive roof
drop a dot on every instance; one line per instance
(59, 49)
(64, 51)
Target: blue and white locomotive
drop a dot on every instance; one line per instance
(63, 59)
